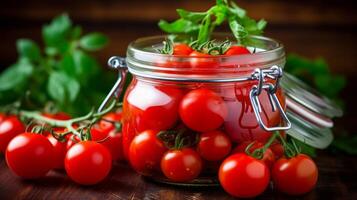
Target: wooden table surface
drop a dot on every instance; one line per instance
(337, 180)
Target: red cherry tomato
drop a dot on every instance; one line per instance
(214, 145)
(59, 152)
(268, 157)
(30, 155)
(200, 60)
(202, 110)
(295, 176)
(88, 162)
(278, 150)
(112, 140)
(146, 151)
(10, 126)
(108, 126)
(129, 133)
(182, 49)
(243, 176)
(151, 107)
(58, 116)
(237, 50)
(181, 165)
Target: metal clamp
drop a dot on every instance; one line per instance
(274, 73)
(118, 63)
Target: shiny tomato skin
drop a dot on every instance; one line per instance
(268, 157)
(214, 145)
(237, 50)
(146, 151)
(181, 165)
(202, 110)
(112, 140)
(10, 126)
(88, 162)
(108, 126)
(182, 49)
(243, 176)
(200, 61)
(59, 152)
(30, 155)
(295, 176)
(153, 107)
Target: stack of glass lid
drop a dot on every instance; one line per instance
(309, 112)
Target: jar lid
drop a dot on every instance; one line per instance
(308, 102)
(309, 133)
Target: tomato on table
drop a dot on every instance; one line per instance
(214, 145)
(59, 151)
(111, 117)
(295, 176)
(243, 176)
(10, 126)
(30, 155)
(202, 110)
(181, 165)
(146, 151)
(111, 139)
(88, 162)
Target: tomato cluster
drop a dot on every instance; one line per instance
(32, 155)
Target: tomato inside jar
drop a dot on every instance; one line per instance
(197, 108)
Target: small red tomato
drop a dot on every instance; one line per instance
(59, 152)
(10, 126)
(146, 151)
(243, 176)
(182, 49)
(237, 50)
(108, 126)
(88, 162)
(268, 157)
(202, 110)
(295, 176)
(112, 140)
(30, 155)
(278, 150)
(58, 116)
(201, 61)
(181, 165)
(214, 145)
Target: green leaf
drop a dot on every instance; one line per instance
(28, 49)
(76, 32)
(195, 17)
(93, 41)
(178, 26)
(62, 88)
(205, 30)
(238, 30)
(56, 34)
(16, 75)
(237, 11)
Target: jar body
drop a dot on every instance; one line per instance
(160, 106)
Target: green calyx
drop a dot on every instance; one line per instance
(192, 26)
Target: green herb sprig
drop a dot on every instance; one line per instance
(63, 72)
(199, 26)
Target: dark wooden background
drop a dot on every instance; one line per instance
(311, 28)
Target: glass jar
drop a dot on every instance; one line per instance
(237, 96)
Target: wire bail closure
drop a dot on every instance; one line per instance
(274, 73)
(118, 63)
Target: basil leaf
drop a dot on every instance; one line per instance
(237, 11)
(16, 75)
(178, 26)
(57, 32)
(93, 41)
(238, 30)
(221, 2)
(205, 30)
(28, 49)
(62, 88)
(191, 16)
(221, 13)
